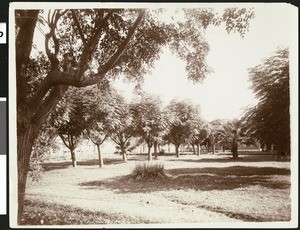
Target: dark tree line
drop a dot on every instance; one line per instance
(269, 120)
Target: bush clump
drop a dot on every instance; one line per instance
(149, 170)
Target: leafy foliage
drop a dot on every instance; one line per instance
(123, 131)
(149, 120)
(181, 117)
(199, 133)
(70, 118)
(102, 109)
(269, 120)
(45, 142)
(70, 128)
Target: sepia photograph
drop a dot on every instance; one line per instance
(153, 115)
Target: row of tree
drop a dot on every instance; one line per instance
(99, 112)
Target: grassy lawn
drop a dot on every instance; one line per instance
(196, 189)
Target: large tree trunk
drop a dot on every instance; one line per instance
(25, 131)
(100, 157)
(26, 134)
(177, 150)
(25, 143)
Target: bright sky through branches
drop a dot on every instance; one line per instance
(224, 93)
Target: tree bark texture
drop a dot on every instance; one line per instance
(25, 143)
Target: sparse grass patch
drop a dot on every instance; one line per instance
(41, 213)
(148, 170)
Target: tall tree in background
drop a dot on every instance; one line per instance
(85, 47)
(219, 135)
(269, 120)
(227, 134)
(101, 117)
(70, 123)
(149, 121)
(180, 115)
(123, 131)
(200, 131)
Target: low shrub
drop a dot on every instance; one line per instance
(149, 170)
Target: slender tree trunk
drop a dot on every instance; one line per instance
(213, 149)
(25, 143)
(155, 150)
(100, 157)
(235, 154)
(73, 156)
(198, 150)
(123, 151)
(149, 153)
(194, 149)
(234, 149)
(177, 150)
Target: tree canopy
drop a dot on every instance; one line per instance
(149, 121)
(181, 117)
(269, 120)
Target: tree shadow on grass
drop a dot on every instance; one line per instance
(65, 164)
(199, 179)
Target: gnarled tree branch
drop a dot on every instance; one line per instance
(78, 26)
(41, 112)
(56, 77)
(91, 45)
(52, 24)
(106, 67)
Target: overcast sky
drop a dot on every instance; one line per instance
(224, 93)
